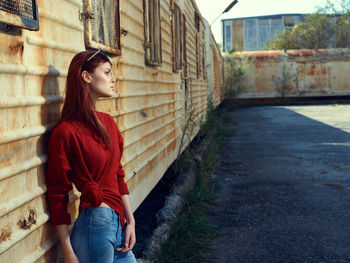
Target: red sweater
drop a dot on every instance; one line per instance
(77, 155)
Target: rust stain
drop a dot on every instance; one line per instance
(300, 53)
(258, 65)
(311, 71)
(261, 55)
(324, 71)
(27, 223)
(16, 46)
(6, 233)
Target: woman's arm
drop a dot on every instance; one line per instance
(68, 253)
(130, 236)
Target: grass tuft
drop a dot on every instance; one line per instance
(192, 232)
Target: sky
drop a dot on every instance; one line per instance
(210, 9)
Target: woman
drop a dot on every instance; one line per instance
(85, 148)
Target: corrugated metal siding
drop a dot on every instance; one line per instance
(149, 111)
(33, 67)
(214, 69)
(218, 77)
(146, 116)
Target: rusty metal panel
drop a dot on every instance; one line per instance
(33, 67)
(214, 62)
(300, 72)
(238, 34)
(150, 107)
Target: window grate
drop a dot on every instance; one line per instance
(23, 8)
(104, 24)
(155, 34)
(197, 22)
(152, 43)
(102, 27)
(177, 38)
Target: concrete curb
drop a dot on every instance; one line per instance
(174, 202)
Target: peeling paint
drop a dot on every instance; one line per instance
(5, 234)
(27, 223)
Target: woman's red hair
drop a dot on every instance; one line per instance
(78, 103)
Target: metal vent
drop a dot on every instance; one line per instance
(104, 24)
(177, 35)
(24, 8)
(153, 40)
(197, 22)
(20, 13)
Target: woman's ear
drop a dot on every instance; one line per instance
(86, 76)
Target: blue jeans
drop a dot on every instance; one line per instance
(96, 235)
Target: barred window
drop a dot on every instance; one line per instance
(153, 44)
(20, 13)
(203, 61)
(197, 22)
(184, 46)
(177, 38)
(198, 64)
(102, 27)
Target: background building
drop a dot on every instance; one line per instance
(253, 33)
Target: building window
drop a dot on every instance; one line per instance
(288, 22)
(250, 34)
(102, 27)
(20, 13)
(197, 22)
(153, 44)
(264, 30)
(198, 64)
(177, 38)
(276, 26)
(184, 46)
(203, 61)
(228, 36)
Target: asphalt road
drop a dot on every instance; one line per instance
(283, 186)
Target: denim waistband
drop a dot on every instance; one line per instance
(90, 211)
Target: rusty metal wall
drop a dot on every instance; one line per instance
(218, 70)
(33, 67)
(291, 73)
(214, 67)
(149, 109)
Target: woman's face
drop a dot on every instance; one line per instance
(101, 82)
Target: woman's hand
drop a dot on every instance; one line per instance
(71, 258)
(68, 252)
(130, 238)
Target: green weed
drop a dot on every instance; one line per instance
(192, 232)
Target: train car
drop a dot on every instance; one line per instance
(159, 53)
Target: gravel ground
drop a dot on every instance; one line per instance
(282, 183)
